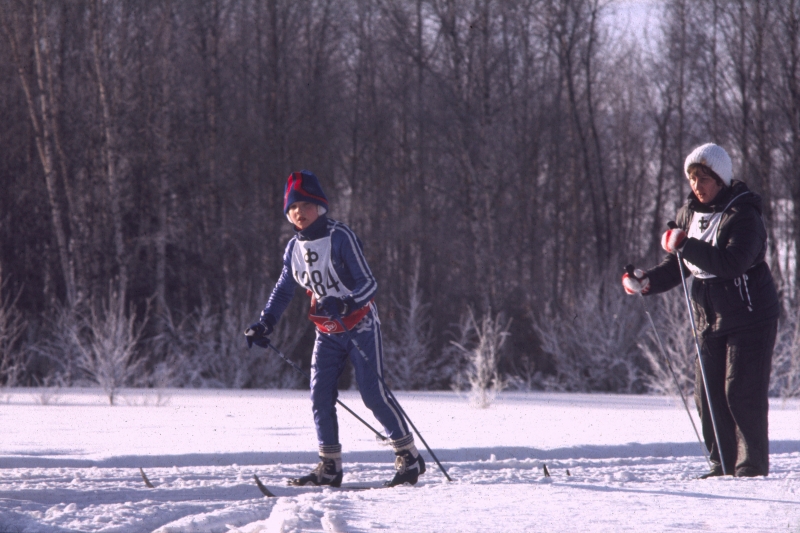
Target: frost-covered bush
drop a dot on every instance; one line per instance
(12, 327)
(207, 349)
(408, 344)
(480, 344)
(105, 339)
(672, 320)
(593, 343)
(54, 356)
(786, 357)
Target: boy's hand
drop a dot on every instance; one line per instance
(333, 306)
(259, 333)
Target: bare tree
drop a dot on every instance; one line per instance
(12, 328)
(39, 97)
(787, 49)
(110, 148)
(518, 150)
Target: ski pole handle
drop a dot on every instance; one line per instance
(671, 224)
(629, 269)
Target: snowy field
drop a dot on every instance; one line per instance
(70, 462)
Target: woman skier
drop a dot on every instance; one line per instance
(722, 240)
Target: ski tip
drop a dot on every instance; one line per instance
(546, 472)
(264, 490)
(144, 478)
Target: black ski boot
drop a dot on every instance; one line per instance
(407, 468)
(324, 474)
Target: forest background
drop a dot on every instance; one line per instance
(500, 160)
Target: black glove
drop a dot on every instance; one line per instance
(259, 332)
(335, 307)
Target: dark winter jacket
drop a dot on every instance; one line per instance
(743, 292)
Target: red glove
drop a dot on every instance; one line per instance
(673, 240)
(637, 283)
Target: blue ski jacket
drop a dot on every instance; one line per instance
(346, 259)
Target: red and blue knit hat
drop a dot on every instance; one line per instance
(303, 186)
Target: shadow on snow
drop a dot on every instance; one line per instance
(622, 451)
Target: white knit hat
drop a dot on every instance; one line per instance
(714, 157)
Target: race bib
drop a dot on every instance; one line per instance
(703, 227)
(312, 268)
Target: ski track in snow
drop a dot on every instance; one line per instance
(614, 486)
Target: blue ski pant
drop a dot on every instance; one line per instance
(331, 351)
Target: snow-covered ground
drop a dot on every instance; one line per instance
(70, 462)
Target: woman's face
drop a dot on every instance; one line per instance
(303, 214)
(703, 186)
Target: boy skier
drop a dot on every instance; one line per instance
(326, 258)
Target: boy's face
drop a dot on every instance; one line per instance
(303, 214)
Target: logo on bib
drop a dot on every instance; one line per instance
(311, 257)
(329, 326)
(703, 223)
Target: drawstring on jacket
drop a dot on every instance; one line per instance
(742, 280)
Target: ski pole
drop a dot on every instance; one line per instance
(392, 396)
(673, 225)
(308, 377)
(629, 269)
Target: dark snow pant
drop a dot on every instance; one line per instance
(737, 368)
(331, 351)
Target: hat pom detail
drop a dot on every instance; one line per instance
(303, 186)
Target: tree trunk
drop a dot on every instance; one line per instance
(109, 151)
(43, 124)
